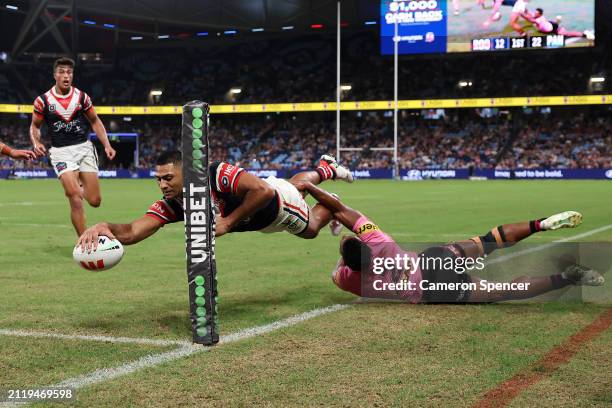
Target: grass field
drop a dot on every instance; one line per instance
(367, 354)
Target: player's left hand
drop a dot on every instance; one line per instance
(222, 227)
(110, 152)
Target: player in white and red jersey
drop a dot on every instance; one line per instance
(519, 9)
(16, 154)
(411, 279)
(69, 114)
(244, 201)
(545, 26)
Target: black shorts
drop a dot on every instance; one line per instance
(555, 29)
(509, 3)
(435, 274)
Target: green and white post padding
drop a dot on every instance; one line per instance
(199, 225)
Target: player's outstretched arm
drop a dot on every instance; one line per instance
(255, 194)
(346, 215)
(17, 154)
(127, 234)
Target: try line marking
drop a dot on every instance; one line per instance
(186, 348)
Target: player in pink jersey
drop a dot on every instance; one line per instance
(414, 278)
(545, 26)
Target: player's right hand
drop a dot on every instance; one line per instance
(88, 241)
(23, 154)
(40, 150)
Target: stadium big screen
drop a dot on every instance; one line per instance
(438, 26)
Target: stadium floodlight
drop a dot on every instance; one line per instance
(90, 22)
(11, 7)
(288, 28)
(109, 25)
(464, 84)
(257, 30)
(136, 38)
(202, 34)
(370, 22)
(346, 87)
(230, 32)
(156, 92)
(235, 90)
(597, 79)
(163, 37)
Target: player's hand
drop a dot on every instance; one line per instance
(88, 241)
(110, 152)
(23, 154)
(222, 227)
(40, 150)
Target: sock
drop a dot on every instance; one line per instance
(534, 225)
(326, 171)
(560, 281)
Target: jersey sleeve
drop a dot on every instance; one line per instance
(87, 104)
(39, 107)
(347, 279)
(162, 212)
(225, 177)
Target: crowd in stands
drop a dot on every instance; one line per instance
(448, 140)
(304, 70)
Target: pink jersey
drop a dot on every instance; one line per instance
(382, 246)
(543, 25)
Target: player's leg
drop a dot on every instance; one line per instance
(509, 234)
(328, 169)
(319, 217)
(495, 13)
(514, 22)
(91, 188)
(456, 7)
(72, 190)
(568, 33)
(527, 287)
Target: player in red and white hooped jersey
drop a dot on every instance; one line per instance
(244, 202)
(69, 115)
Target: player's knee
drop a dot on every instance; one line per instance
(95, 201)
(75, 199)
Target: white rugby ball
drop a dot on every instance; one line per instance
(108, 254)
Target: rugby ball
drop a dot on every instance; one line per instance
(108, 254)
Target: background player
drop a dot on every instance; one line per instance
(245, 202)
(358, 251)
(519, 8)
(16, 154)
(69, 113)
(546, 26)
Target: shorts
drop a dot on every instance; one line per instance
(293, 212)
(80, 157)
(555, 26)
(519, 7)
(434, 274)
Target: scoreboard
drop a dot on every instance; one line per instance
(515, 43)
(441, 26)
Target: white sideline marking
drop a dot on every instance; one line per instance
(22, 224)
(550, 244)
(185, 349)
(105, 339)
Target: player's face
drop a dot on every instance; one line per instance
(170, 180)
(537, 14)
(63, 76)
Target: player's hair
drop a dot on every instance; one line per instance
(63, 61)
(171, 157)
(355, 253)
(540, 10)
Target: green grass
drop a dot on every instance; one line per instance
(370, 354)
